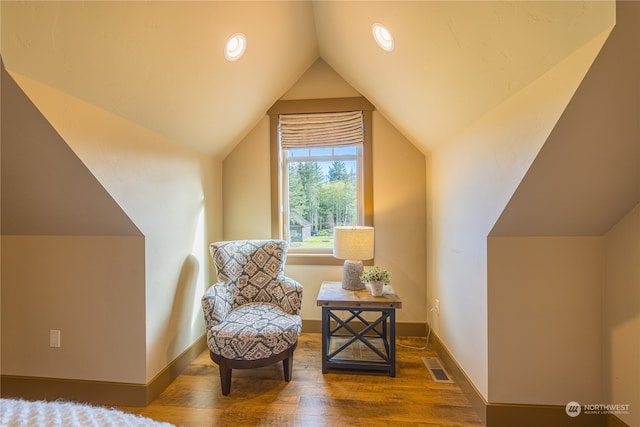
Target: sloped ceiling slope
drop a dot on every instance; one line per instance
(587, 175)
(46, 189)
(160, 64)
(453, 60)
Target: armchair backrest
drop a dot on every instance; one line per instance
(253, 269)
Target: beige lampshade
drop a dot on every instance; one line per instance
(353, 243)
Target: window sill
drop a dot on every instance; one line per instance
(299, 258)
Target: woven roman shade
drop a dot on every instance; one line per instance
(321, 129)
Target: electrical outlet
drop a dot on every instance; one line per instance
(54, 338)
(437, 306)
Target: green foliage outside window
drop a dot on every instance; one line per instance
(323, 194)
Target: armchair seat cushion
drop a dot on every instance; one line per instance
(254, 331)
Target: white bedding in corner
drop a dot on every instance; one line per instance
(23, 413)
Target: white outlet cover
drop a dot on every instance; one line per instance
(54, 338)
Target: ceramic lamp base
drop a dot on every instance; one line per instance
(351, 275)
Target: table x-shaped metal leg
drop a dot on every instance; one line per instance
(381, 328)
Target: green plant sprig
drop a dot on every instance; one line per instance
(376, 274)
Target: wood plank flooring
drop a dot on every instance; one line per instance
(260, 397)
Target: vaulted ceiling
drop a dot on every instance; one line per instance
(161, 64)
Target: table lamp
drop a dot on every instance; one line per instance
(352, 244)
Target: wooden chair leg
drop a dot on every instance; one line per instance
(225, 379)
(287, 365)
(227, 365)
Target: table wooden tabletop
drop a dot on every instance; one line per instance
(331, 294)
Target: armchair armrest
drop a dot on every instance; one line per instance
(292, 301)
(216, 303)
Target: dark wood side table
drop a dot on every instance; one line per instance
(363, 332)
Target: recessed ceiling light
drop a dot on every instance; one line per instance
(235, 46)
(382, 36)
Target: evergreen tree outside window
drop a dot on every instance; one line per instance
(323, 188)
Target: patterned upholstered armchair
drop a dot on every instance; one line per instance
(252, 314)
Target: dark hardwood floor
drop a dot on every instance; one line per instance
(260, 397)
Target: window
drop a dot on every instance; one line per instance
(323, 187)
(321, 173)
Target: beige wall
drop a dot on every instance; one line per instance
(399, 201)
(621, 326)
(246, 195)
(173, 196)
(472, 178)
(91, 288)
(545, 318)
(582, 182)
(564, 316)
